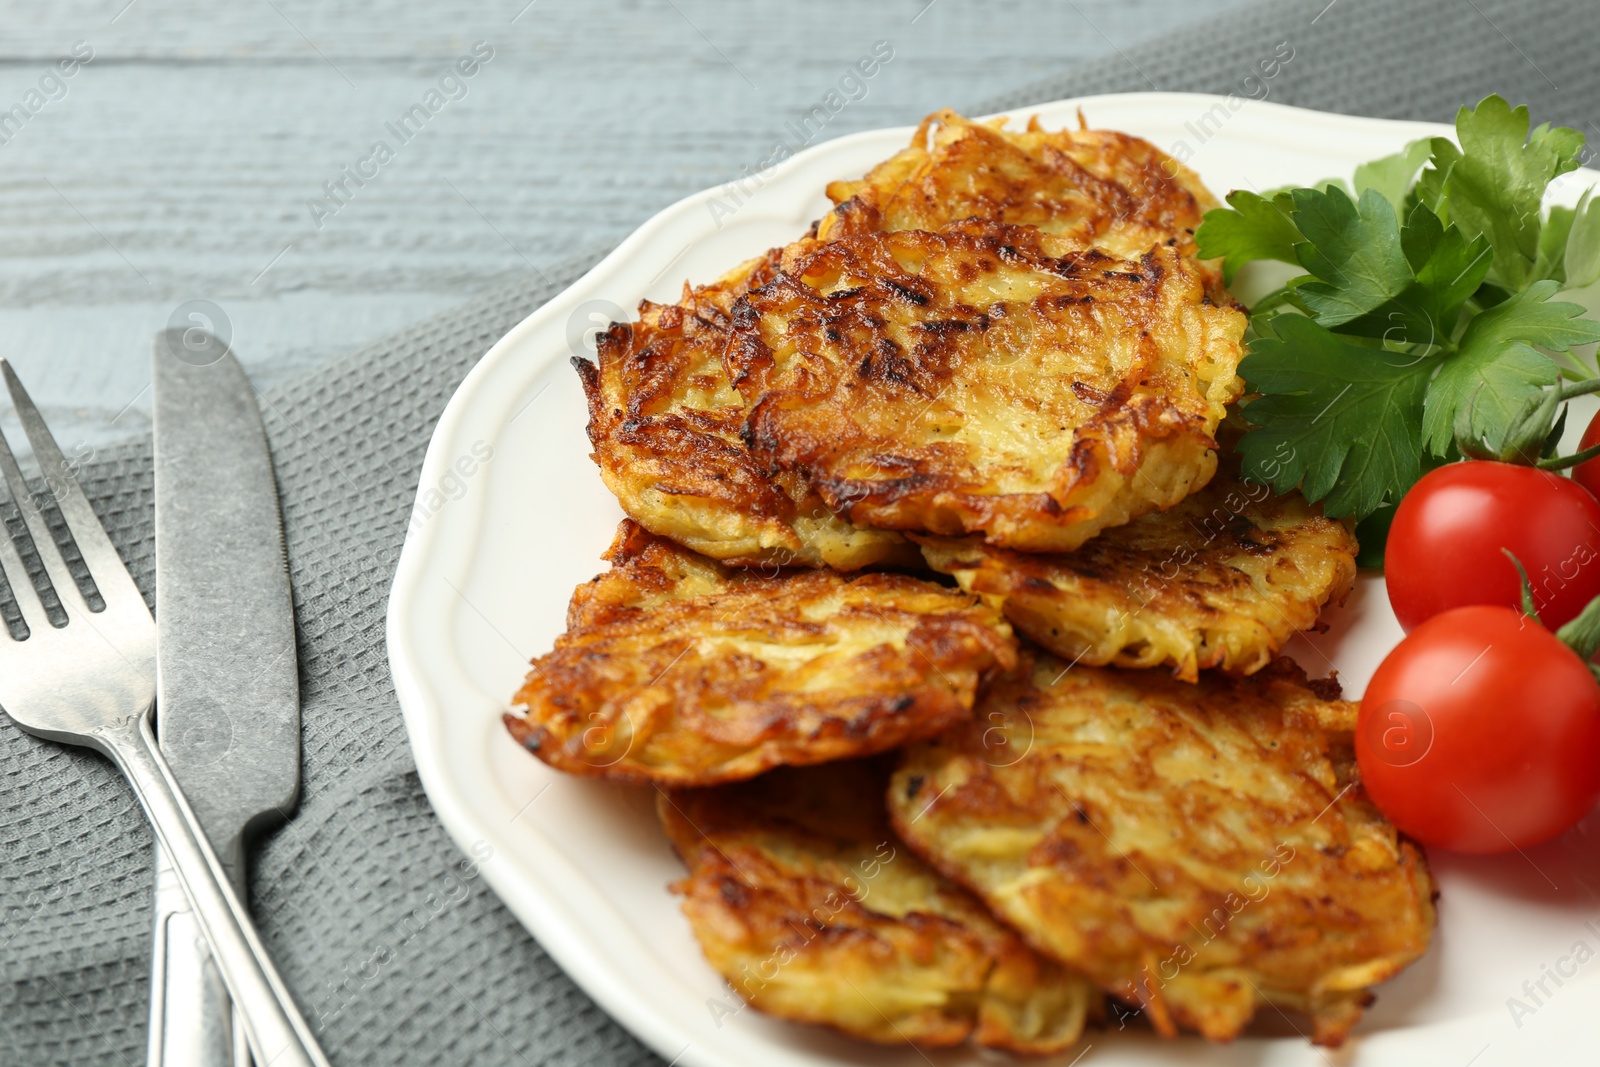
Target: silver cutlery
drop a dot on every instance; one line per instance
(227, 674)
(88, 677)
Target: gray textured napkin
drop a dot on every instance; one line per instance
(460, 981)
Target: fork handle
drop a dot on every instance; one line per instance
(277, 1033)
(191, 1017)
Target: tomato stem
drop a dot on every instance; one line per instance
(1582, 634)
(1529, 608)
(1561, 463)
(1583, 388)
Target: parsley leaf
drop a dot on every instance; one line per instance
(1496, 371)
(1448, 270)
(1494, 183)
(1341, 420)
(1392, 175)
(1256, 228)
(1582, 256)
(1426, 310)
(1353, 249)
(1552, 259)
(1448, 266)
(1532, 316)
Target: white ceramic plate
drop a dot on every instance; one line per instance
(511, 515)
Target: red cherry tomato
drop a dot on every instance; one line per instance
(1445, 543)
(1481, 733)
(1588, 474)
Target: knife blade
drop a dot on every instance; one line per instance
(227, 673)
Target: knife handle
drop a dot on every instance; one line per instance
(191, 1017)
(278, 1034)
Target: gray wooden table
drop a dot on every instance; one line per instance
(188, 156)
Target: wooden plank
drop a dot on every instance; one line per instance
(178, 163)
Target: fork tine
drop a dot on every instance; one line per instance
(99, 555)
(16, 575)
(49, 552)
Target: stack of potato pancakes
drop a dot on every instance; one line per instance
(950, 642)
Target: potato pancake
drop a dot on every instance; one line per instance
(1197, 850)
(803, 898)
(677, 670)
(664, 423)
(1223, 579)
(1094, 187)
(987, 378)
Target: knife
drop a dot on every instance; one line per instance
(227, 674)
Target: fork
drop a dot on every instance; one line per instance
(91, 682)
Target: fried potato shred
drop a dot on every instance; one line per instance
(664, 423)
(811, 908)
(987, 379)
(1198, 850)
(1223, 579)
(677, 670)
(1096, 188)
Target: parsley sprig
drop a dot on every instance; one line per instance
(1426, 318)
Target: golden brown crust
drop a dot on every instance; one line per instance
(986, 378)
(664, 423)
(1095, 188)
(1197, 850)
(677, 670)
(1223, 579)
(811, 908)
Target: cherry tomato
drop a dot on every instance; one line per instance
(1481, 733)
(1445, 544)
(1588, 474)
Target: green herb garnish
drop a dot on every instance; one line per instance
(1427, 308)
